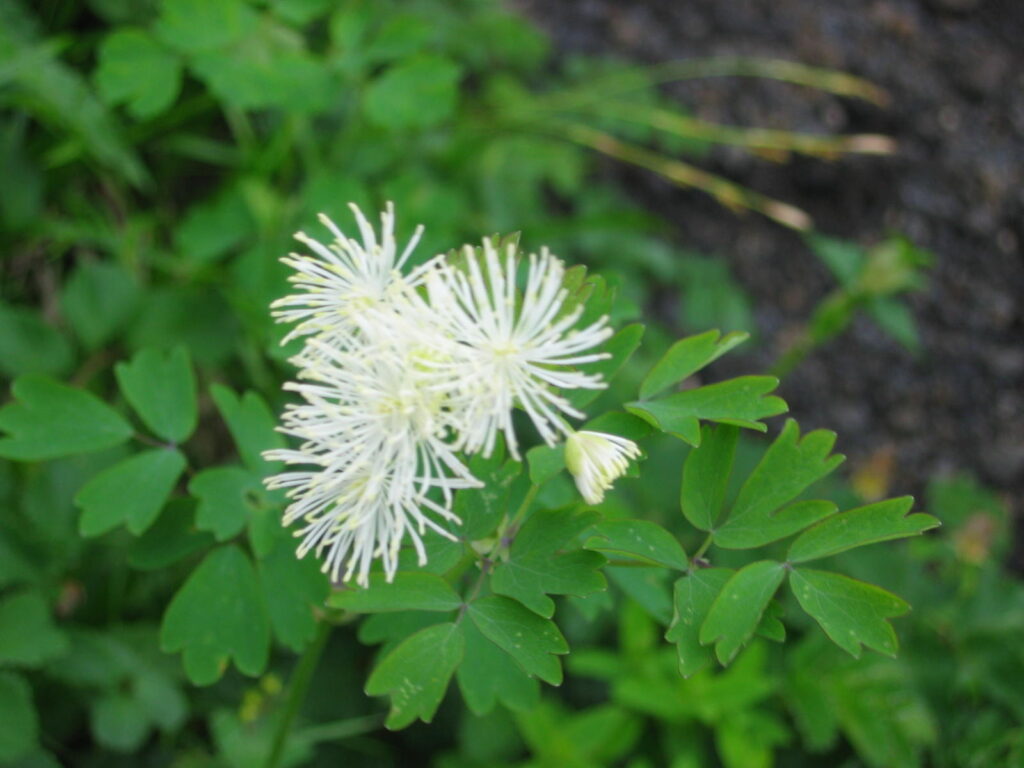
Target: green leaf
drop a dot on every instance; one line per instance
(882, 521)
(293, 589)
(118, 723)
(419, 92)
(19, 726)
(218, 615)
(409, 591)
(485, 676)
(132, 492)
(223, 507)
(638, 540)
(192, 26)
(523, 635)
(49, 420)
(743, 401)
(788, 467)
(692, 599)
(771, 626)
(416, 673)
(212, 227)
(621, 347)
(843, 258)
(545, 462)
(29, 637)
(252, 426)
(648, 587)
(29, 346)
(686, 357)
(851, 612)
(706, 476)
(171, 538)
(895, 318)
(736, 612)
(481, 509)
(544, 559)
(98, 300)
(162, 390)
(135, 69)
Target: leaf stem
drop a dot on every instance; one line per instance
(298, 686)
(703, 548)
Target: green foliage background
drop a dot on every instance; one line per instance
(158, 157)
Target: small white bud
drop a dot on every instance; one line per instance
(596, 460)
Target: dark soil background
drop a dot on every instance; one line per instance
(955, 71)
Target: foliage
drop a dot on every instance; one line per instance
(150, 601)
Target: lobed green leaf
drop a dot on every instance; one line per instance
(251, 424)
(693, 596)
(485, 676)
(638, 540)
(743, 401)
(870, 524)
(851, 612)
(218, 615)
(48, 420)
(529, 639)
(620, 347)
(162, 390)
(788, 467)
(19, 724)
(686, 357)
(545, 559)
(736, 612)
(132, 492)
(416, 673)
(706, 476)
(410, 590)
(223, 507)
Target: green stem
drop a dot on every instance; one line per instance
(342, 729)
(298, 686)
(703, 548)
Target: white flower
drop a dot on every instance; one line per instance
(376, 431)
(596, 460)
(512, 352)
(343, 280)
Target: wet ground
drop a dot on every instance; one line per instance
(955, 71)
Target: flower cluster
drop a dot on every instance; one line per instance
(402, 372)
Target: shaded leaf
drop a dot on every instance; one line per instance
(251, 424)
(49, 420)
(544, 559)
(419, 92)
(19, 725)
(743, 401)
(117, 721)
(639, 540)
(29, 638)
(706, 476)
(134, 69)
(131, 492)
(223, 507)
(162, 390)
(293, 589)
(416, 674)
(648, 587)
(481, 509)
(29, 346)
(486, 677)
(193, 26)
(529, 639)
(686, 357)
(851, 612)
(545, 462)
(98, 299)
(882, 521)
(171, 538)
(736, 612)
(788, 467)
(621, 347)
(692, 599)
(218, 615)
(409, 591)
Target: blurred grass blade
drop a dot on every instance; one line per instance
(56, 94)
(640, 78)
(728, 193)
(688, 127)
